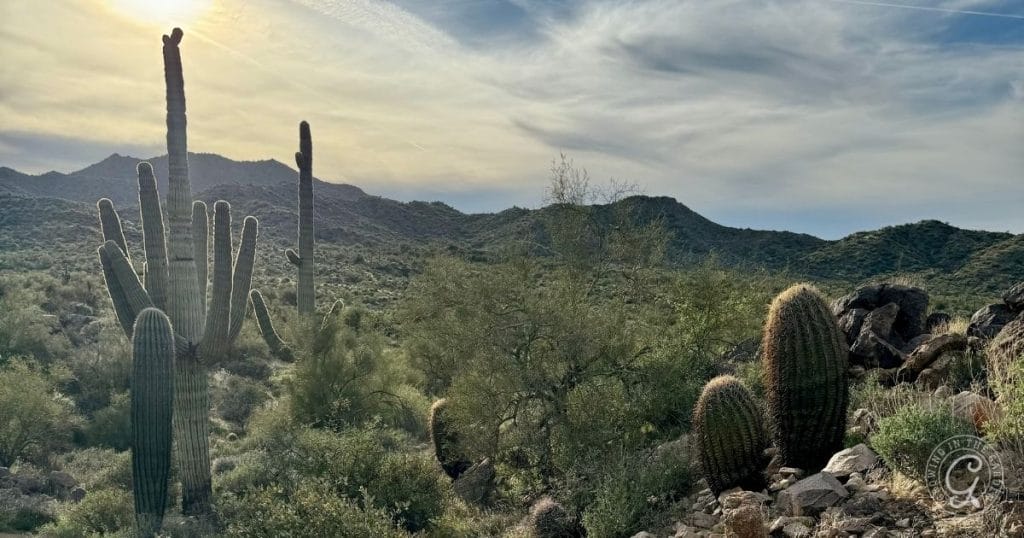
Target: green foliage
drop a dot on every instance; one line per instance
(111, 426)
(21, 513)
(805, 362)
(729, 433)
(1007, 428)
(25, 328)
(313, 509)
(345, 377)
(33, 421)
(906, 439)
(235, 398)
(102, 512)
(100, 369)
(98, 468)
(636, 489)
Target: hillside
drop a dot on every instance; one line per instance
(934, 252)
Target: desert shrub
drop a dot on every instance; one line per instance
(345, 377)
(906, 439)
(21, 513)
(313, 509)
(635, 490)
(100, 369)
(409, 486)
(101, 512)
(33, 420)
(1007, 428)
(25, 329)
(111, 426)
(98, 468)
(237, 397)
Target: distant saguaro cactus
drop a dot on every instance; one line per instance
(805, 361)
(729, 433)
(152, 404)
(176, 282)
(446, 442)
(305, 290)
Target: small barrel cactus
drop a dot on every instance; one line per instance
(549, 519)
(805, 362)
(152, 390)
(730, 436)
(446, 442)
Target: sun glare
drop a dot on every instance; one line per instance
(162, 12)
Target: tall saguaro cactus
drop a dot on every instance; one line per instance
(152, 389)
(805, 361)
(305, 290)
(176, 272)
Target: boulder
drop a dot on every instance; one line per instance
(76, 495)
(973, 408)
(812, 495)
(880, 320)
(851, 323)
(865, 297)
(935, 319)
(926, 353)
(857, 459)
(913, 308)
(475, 485)
(873, 351)
(62, 480)
(1014, 297)
(989, 320)
(916, 342)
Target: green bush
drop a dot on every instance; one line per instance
(100, 369)
(19, 513)
(98, 468)
(237, 397)
(906, 439)
(111, 426)
(25, 329)
(102, 512)
(33, 421)
(313, 509)
(410, 487)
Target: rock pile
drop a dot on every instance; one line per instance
(990, 319)
(883, 323)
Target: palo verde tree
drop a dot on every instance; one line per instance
(176, 281)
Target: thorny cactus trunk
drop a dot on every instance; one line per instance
(176, 272)
(152, 389)
(729, 433)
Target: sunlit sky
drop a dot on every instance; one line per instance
(818, 116)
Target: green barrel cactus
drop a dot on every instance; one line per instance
(805, 364)
(446, 441)
(176, 273)
(729, 434)
(152, 404)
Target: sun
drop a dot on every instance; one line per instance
(162, 12)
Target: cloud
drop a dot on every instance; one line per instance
(812, 115)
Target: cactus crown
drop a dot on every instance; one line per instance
(805, 363)
(730, 436)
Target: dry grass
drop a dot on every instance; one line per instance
(957, 325)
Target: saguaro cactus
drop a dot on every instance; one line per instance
(305, 290)
(805, 363)
(176, 276)
(730, 437)
(152, 390)
(446, 442)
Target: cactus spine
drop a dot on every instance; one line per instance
(446, 442)
(152, 390)
(198, 337)
(305, 291)
(805, 363)
(730, 436)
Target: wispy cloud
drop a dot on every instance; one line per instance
(822, 116)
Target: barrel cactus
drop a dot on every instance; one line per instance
(446, 442)
(549, 519)
(805, 364)
(730, 437)
(152, 404)
(176, 272)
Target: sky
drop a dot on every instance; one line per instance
(817, 116)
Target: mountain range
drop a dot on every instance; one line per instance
(980, 261)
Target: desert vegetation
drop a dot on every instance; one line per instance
(573, 381)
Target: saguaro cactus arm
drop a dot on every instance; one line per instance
(153, 236)
(241, 282)
(200, 245)
(110, 224)
(152, 400)
(278, 348)
(126, 292)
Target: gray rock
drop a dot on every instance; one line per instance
(969, 406)
(81, 309)
(916, 342)
(865, 297)
(644, 534)
(857, 459)
(77, 495)
(928, 352)
(943, 392)
(866, 420)
(913, 303)
(60, 479)
(811, 495)
(851, 323)
(702, 520)
(29, 484)
(475, 485)
(881, 320)
(1014, 297)
(781, 522)
(4, 472)
(989, 320)
(874, 351)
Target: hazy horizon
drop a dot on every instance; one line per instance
(818, 116)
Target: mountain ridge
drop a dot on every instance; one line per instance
(345, 214)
